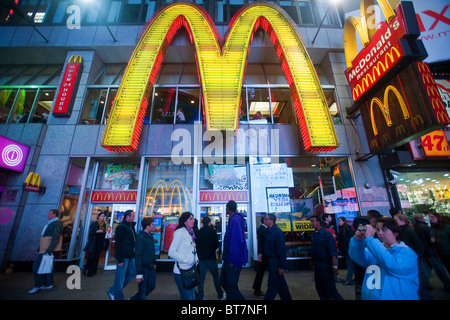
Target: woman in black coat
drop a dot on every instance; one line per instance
(345, 234)
(97, 232)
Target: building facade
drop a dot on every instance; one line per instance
(179, 163)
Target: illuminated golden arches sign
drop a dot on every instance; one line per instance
(159, 190)
(221, 65)
(404, 109)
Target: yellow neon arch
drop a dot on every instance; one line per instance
(360, 25)
(384, 107)
(221, 70)
(161, 184)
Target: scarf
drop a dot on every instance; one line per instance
(48, 223)
(101, 225)
(191, 232)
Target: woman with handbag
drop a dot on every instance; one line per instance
(95, 245)
(183, 251)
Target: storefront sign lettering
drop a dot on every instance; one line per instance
(66, 93)
(223, 196)
(113, 196)
(384, 48)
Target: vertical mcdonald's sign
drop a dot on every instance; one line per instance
(396, 95)
(67, 89)
(393, 44)
(221, 66)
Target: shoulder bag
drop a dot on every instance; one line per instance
(190, 277)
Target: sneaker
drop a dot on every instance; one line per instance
(35, 289)
(111, 296)
(47, 287)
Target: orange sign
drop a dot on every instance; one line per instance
(113, 196)
(435, 144)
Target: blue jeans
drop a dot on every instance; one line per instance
(210, 265)
(184, 294)
(147, 285)
(123, 277)
(229, 278)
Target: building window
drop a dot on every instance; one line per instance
(94, 106)
(291, 9)
(169, 193)
(25, 105)
(330, 97)
(306, 15)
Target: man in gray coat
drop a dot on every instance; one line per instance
(48, 242)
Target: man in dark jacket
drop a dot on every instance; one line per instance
(125, 237)
(145, 259)
(207, 244)
(261, 266)
(324, 257)
(235, 252)
(275, 252)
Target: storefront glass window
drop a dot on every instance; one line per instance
(169, 193)
(148, 10)
(330, 97)
(22, 106)
(94, 106)
(282, 106)
(44, 106)
(118, 175)
(424, 191)
(69, 201)
(258, 106)
(291, 9)
(164, 105)
(7, 98)
(306, 16)
(189, 105)
(295, 188)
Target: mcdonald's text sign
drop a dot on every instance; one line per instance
(393, 44)
(67, 89)
(404, 109)
(223, 196)
(113, 196)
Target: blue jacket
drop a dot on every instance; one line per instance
(391, 274)
(235, 245)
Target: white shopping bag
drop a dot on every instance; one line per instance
(46, 265)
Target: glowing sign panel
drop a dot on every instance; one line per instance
(221, 65)
(13, 154)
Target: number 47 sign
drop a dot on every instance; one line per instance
(435, 144)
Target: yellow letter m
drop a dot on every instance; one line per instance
(221, 65)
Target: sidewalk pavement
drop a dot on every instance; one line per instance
(15, 286)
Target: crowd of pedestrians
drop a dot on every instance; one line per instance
(385, 257)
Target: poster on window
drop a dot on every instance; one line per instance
(278, 200)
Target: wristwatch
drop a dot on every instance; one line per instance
(335, 267)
